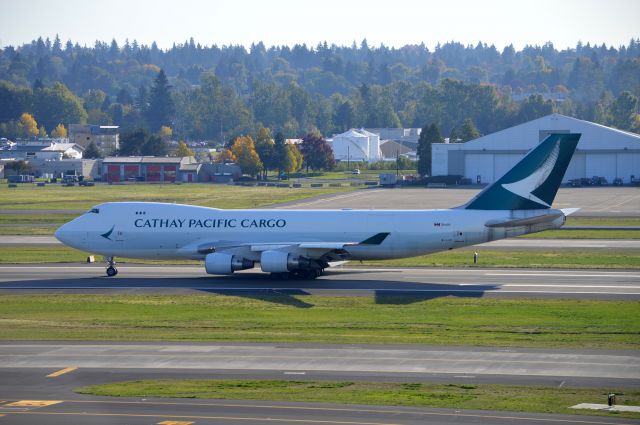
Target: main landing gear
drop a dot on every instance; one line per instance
(298, 274)
(111, 266)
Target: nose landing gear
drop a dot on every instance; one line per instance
(111, 266)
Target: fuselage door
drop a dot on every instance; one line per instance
(458, 236)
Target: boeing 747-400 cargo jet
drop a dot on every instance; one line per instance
(301, 244)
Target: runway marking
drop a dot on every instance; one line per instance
(175, 423)
(33, 403)
(465, 376)
(61, 372)
(562, 274)
(270, 419)
(295, 373)
(535, 285)
(226, 418)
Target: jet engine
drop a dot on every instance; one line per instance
(280, 262)
(221, 263)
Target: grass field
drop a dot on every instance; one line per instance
(494, 397)
(382, 318)
(581, 259)
(218, 196)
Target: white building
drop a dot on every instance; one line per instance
(47, 149)
(602, 151)
(356, 145)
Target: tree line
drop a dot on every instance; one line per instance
(219, 93)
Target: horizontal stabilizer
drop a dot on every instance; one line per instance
(518, 222)
(569, 211)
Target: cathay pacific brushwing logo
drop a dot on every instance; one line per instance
(526, 186)
(107, 235)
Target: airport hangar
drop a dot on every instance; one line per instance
(602, 151)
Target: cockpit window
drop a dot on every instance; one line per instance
(94, 211)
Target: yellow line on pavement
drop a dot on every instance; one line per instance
(61, 372)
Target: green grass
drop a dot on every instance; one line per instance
(28, 230)
(465, 396)
(579, 259)
(585, 234)
(383, 318)
(36, 218)
(209, 195)
(603, 221)
(63, 254)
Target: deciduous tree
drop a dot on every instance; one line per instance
(225, 155)
(59, 132)
(265, 147)
(317, 153)
(183, 150)
(27, 127)
(247, 158)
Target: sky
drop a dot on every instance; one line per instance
(288, 22)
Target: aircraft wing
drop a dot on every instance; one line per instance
(326, 251)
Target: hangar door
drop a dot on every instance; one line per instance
(503, 162)
(601, 165)
(577, 168)
(628, 165)
(478, 164)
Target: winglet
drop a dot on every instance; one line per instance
(376, 239)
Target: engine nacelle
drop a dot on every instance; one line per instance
(280, 262)
(221, 263)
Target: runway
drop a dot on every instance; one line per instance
(25, 367)
(346, 281)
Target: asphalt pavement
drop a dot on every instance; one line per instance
(421, 283)
(38, 378)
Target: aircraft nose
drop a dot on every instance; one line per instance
(62, 234)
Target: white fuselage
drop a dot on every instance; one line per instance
(164, 231)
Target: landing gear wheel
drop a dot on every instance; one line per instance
(111, 266)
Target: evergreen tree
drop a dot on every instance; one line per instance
(132, 142)
(92, 151)
(281, 153)
(468, 130)
(160, 103)
(429, 134)
(124, 97)
(155, 146)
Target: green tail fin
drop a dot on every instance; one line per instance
(534, 181)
